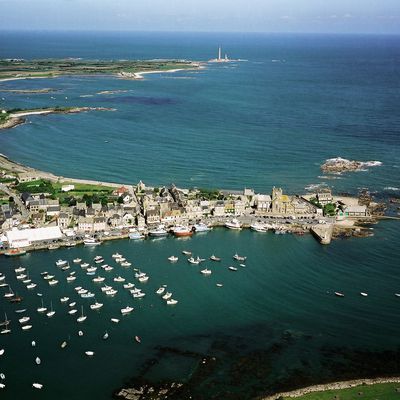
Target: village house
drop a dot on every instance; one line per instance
(262, 202)
(219, 209)
(63, 220)
(153, 216)
(27, 177)
(354, 211)
(324, 197)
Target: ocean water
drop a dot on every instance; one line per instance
(271, 120)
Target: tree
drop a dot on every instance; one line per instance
(11, 199)
(120, 200)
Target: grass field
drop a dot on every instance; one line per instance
(379, 391)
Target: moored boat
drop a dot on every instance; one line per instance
(181, 231)
(233, 224)
(215, 258)
(200, 227)
(90, 241)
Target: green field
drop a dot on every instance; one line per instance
(380, 391)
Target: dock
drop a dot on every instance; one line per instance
(323, 232)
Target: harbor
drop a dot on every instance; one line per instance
(213, 303)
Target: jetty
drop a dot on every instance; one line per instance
(323, 232)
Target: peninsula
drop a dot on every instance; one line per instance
(13, 69)
(15, 117)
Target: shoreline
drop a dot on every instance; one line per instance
(16, 118)
(331, 386)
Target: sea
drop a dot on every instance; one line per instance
(269, 118)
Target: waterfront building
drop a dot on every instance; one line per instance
(354, 211)
(140, 222)
(219, 209)
(53, 211)
(262, 202)
(324, 197)
(25, 237)
(153, 216)
(280, 203)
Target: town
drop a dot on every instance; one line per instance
(39, 211)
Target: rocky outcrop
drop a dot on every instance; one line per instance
(339, 165)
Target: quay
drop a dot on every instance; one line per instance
(323, 232)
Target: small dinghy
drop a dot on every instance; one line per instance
(339, 294)
(63, 345)
(38, 361)
(364, 294)
(89, 353)
(137, 339)
(105, 336)
(33, 343)
(80, 333)
(37, 385)
(115, 320)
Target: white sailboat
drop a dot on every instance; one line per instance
(82, 317)
(42, 309)
(51, 312)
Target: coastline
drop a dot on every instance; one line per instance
(331, 386)
(16, 118)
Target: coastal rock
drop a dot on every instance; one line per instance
(339, 165)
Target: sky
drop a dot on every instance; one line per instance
(302, 16)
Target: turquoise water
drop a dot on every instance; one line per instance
(272, 120)
(273, 324)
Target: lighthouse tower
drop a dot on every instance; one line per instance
(219, 53)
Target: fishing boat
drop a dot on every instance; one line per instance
(53, 282)
(48, 277)
(182, 231)
(42, 309)
(258, 227)
(71, 278)
(99, 261)
(73, 304)
(37, 385)
(200, 227)
(219, 285)
(119, 279)
(14, 252)
(126, 264)
(120, 260)
(105, 288)
(90, 241)
(161, 290)
(92, 269)
(31, 286)
(115, 320)
(2, 277)
(66, 267)
(214, 258)
(143, 279)
(38, 361)
(96, 306)
(167, 296)
(126, 310)
(116, 255)
(89, 353)
(21, 276)
(191, 260)
(97, 258)
(72, 311)
(87, 295)
(108, 268)
(111, 292)
(206, 271)
(61, 263)
(24, 320)
(19, 270)
(339, 294)
(173, 258)
(77, 260)
(98, 279)
(26, 327)
(137, 339)
(172, 302)
(82, 317)
(239, 258)
(233, 224)
(129, 285)
(186, 252)
(364, 294)
(139, 295)
(159, 231)
(51, 312)
(84, 265)
(135, 235)
(233, 268)
(2, 386)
